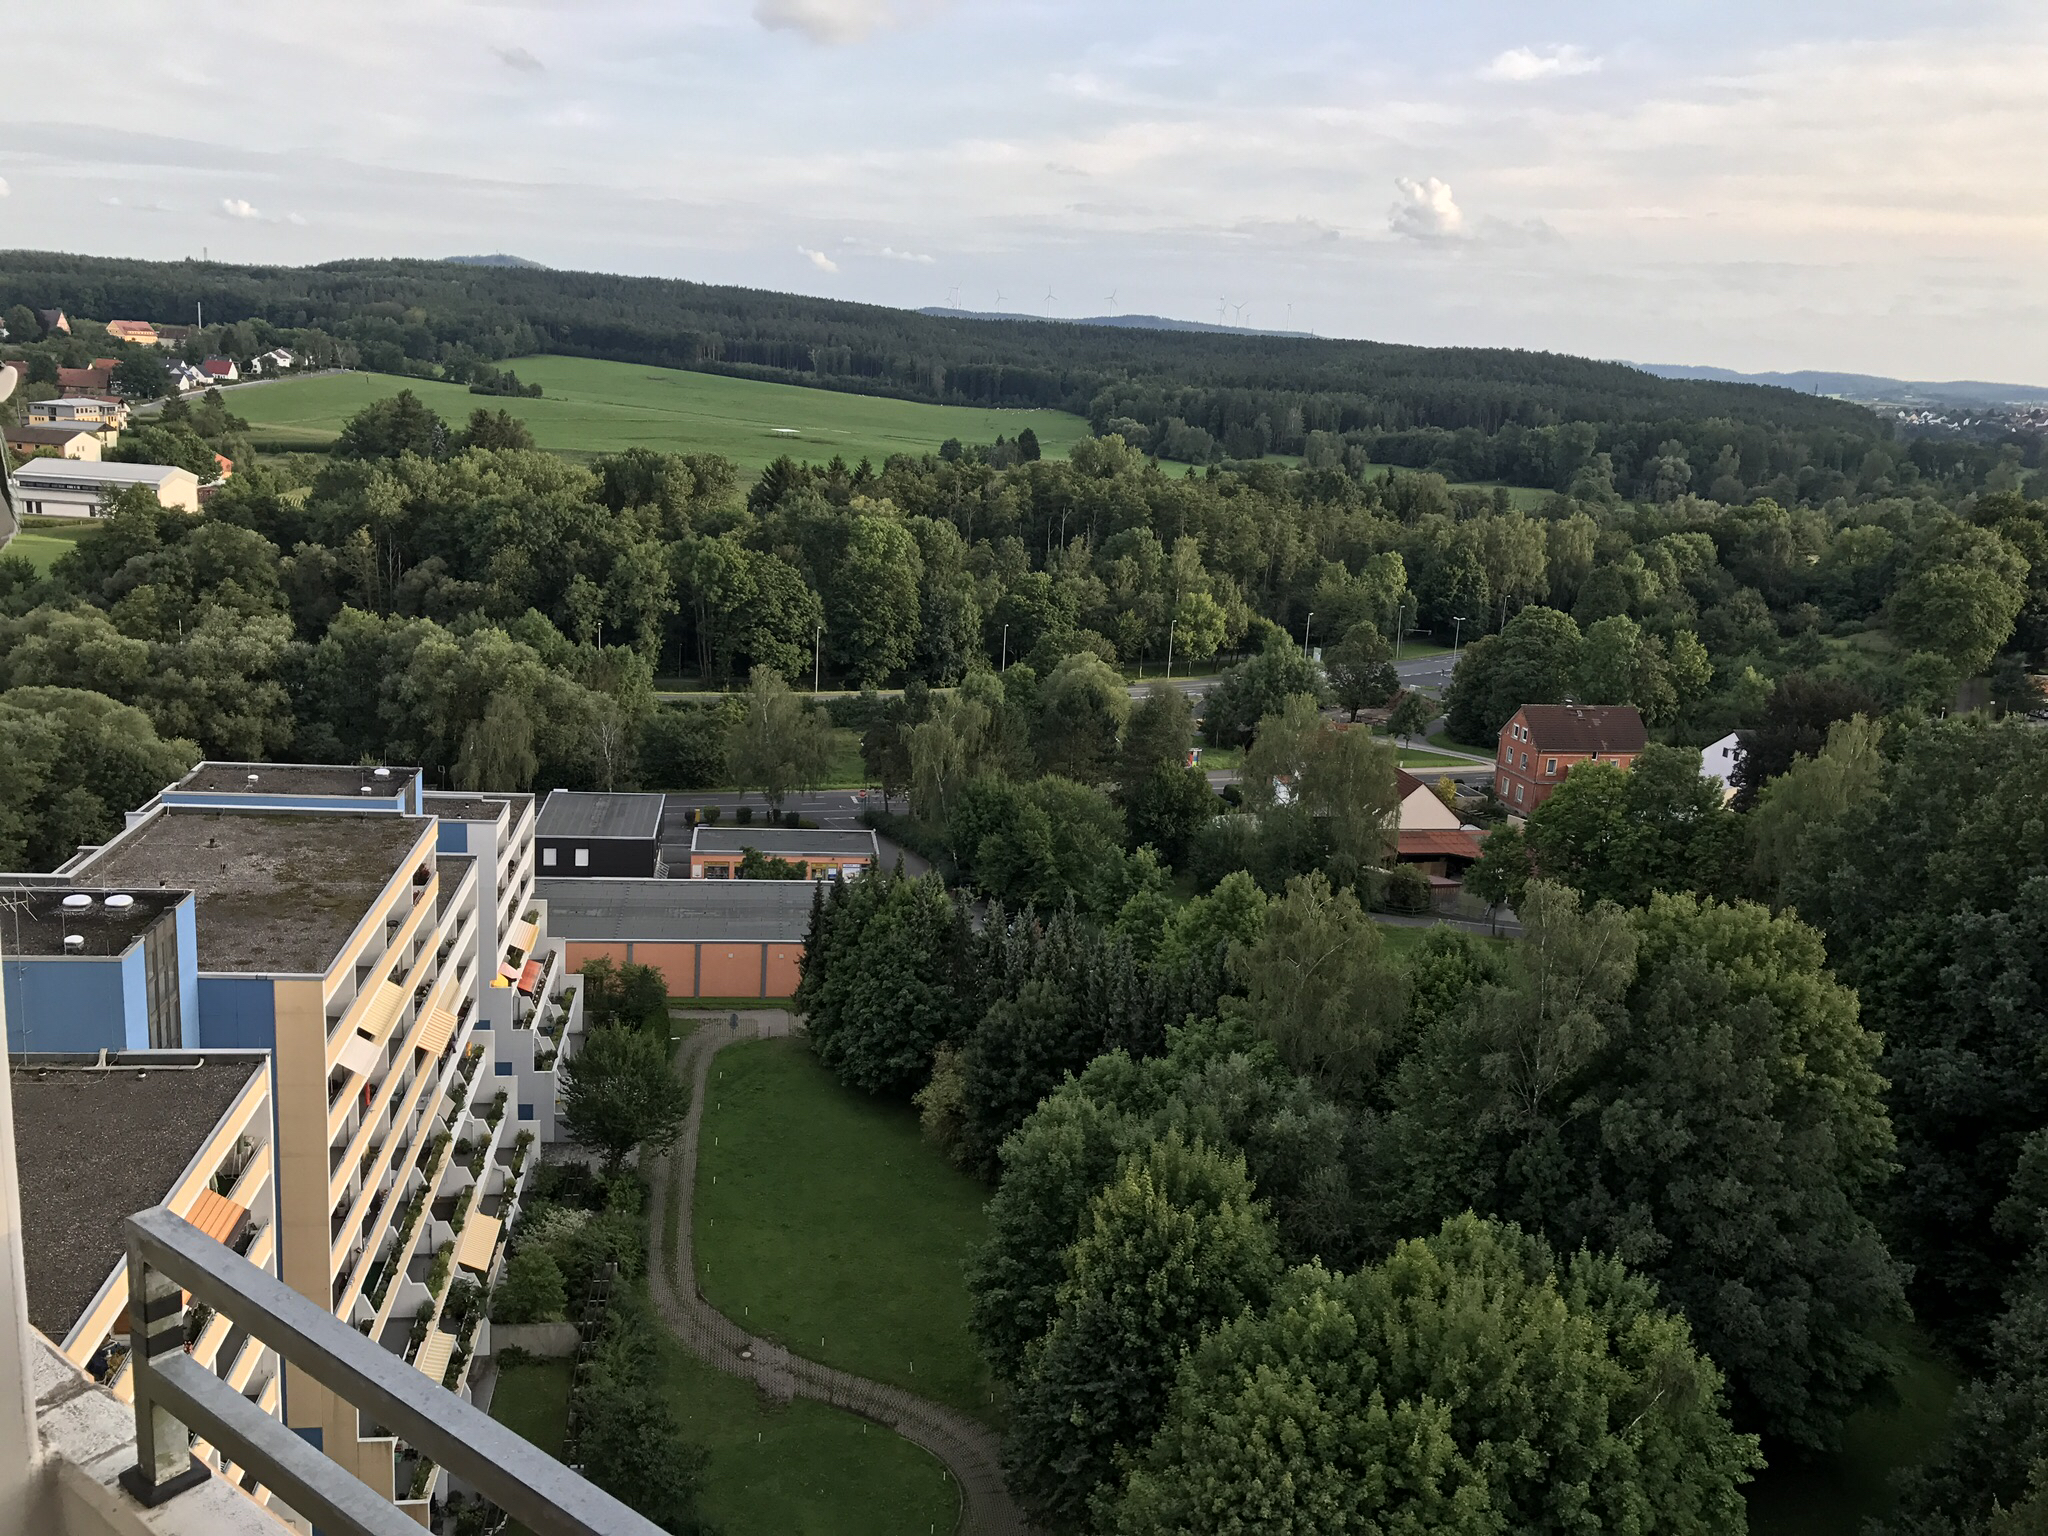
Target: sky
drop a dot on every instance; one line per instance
(1757, 186)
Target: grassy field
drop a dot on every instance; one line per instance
(43, 539)
(804, 1468)
(589, 407)
(826, 1221)
(1834, 1495)
(1432, 760)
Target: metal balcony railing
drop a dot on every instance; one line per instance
(175, 1396)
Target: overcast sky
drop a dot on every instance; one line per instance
(1814, 184)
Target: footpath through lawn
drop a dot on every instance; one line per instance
(797, 1470)
(827, 1222)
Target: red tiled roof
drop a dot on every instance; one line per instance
(1585, 727)
(84, 378)
(1439, 843)
(216, 367)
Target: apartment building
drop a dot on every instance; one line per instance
(195, 1139)
(389, 966)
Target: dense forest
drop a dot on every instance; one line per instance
(1533, 419)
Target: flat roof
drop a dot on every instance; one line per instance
(783, 841)
(679, 911)
(279, 892)
(294, 779)
(570, 813)
(94, 1147)
(68, 472)
(34, 920)
(454, 868)
(464, 807)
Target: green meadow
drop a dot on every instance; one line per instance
(589, 407)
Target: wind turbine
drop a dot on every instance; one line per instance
(1048, 301)
(1110, 300)
(1000, 296)
(953, 297)
(1221, 306)
(1239, 309)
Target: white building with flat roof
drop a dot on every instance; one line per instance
(82, 408)
(76, 488)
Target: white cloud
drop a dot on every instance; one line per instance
(886, 252)
(1520, 64)
(519, 59)
(818, 259)
(828, 21)
(1425, 210)
(296, 218)
(239, 208)
(5, 190)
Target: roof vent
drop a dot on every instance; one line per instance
(120, 903)
(369, 789)
(78, 901)
(252, 778)
(74, 941)
(381, 773)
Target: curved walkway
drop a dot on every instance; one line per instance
(968, 1449)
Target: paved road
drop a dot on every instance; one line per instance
(968, 1448)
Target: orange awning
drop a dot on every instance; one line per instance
(216, 1216)
(530, 977)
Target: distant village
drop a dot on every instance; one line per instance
(61, 447)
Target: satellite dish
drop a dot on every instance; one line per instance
(8, 379)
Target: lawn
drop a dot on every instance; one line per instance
(1402, 941)
(825, 1220)
(803, 1468)
(1433, 760)
(589, 407)
(43, 539)
(1834, 1495)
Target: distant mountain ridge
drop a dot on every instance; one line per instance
(497, 259)
(1867, 387)
(1122, 322)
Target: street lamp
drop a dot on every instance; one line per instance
(1006, 650)
(1304, 630)
(1457, 627)
(817, 652)
(1170, 623)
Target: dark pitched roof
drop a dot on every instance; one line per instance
(1585, 727)
(1406, 783)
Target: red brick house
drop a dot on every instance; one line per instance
(1544, 742)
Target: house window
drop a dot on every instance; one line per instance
(1550, 767)
(1518, 794)
(502, 1068)
(583, 858)
(547, 858)
(1525, 759)
(526, 1111)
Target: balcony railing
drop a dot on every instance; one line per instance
(175, 1397)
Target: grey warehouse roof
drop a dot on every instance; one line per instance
(93, 1147)
(567, 813)
(464, 807)
(678, 911)
(784, 841)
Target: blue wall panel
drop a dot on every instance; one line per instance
(60, 1004)
(237, 1013)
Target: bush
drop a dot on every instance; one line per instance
(533, 1290)
(1405, 889)
(744, 815)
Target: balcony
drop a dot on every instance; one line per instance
(147, 1457)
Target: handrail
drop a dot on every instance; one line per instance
(174, 1394)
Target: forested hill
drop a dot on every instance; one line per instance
(1186, 395)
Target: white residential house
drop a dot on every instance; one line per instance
(188, 378)
(1718, 762)
(71, 488)
(277, 360)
